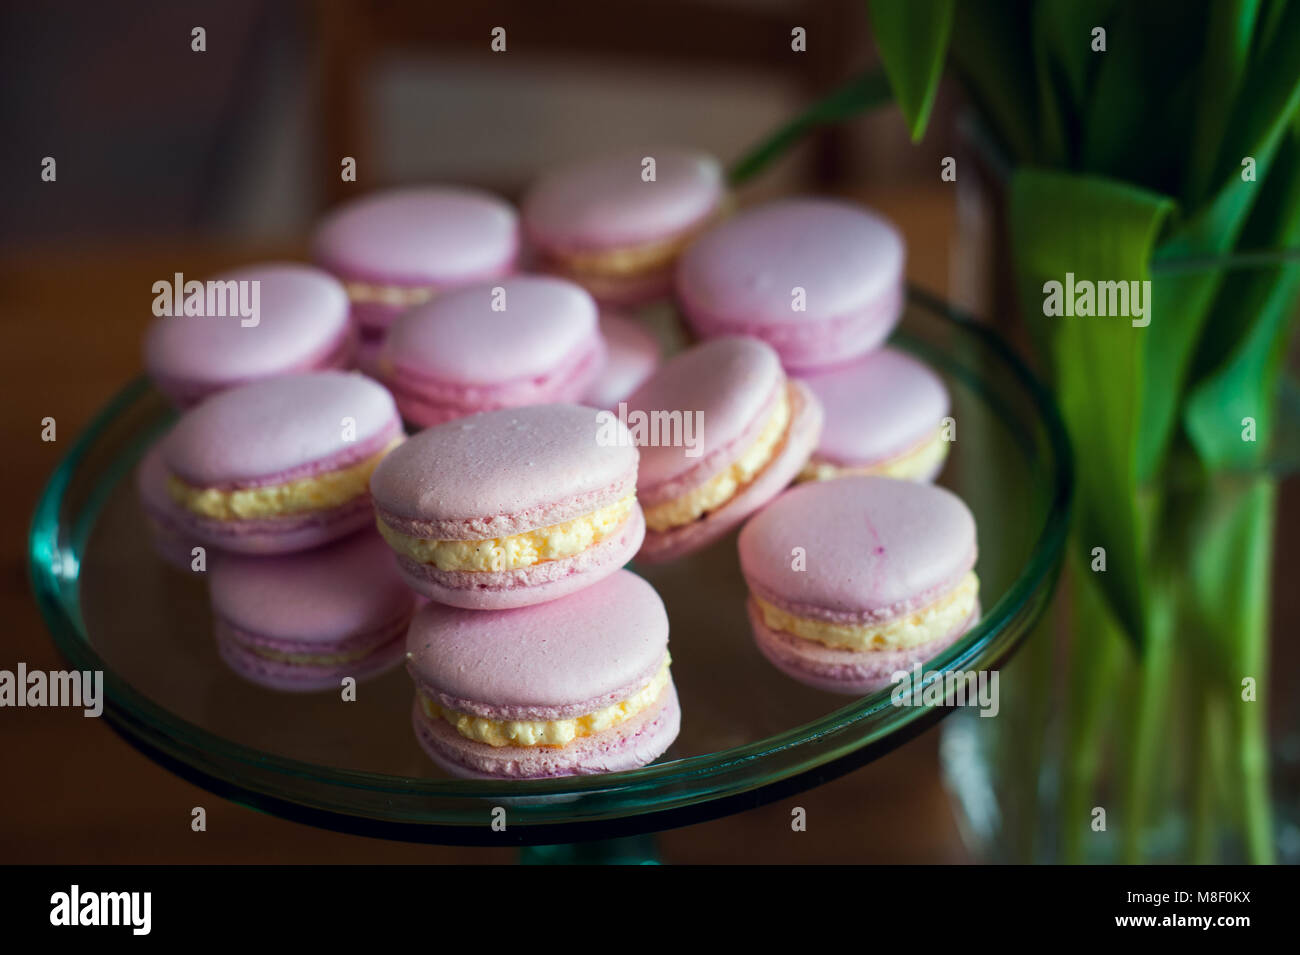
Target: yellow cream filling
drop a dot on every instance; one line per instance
(399, 296)
(721, 488)
(319, 492)
(911, 465)
(323, 659)
(518, 550)
(548, 732)
(630, 260)
(921, 626)
(636, 259)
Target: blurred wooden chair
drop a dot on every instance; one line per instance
(743, 35)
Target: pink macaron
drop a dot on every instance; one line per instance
(299, 323)
(854, 580)
(885, 414)
(722, 431)
(617, 223)
(820, 280)
(632, 354)
(524, 340)
(511, 507)
(576, 686)
(280, 465)
(399, 248)
(163, 515)
(306, 621)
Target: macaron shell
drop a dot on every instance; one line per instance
(632, 354)
(281, 429)
(539, 583)
(428, 236)
(425, 403)
(604, 203)
(557, 660)
(842, 670)
(629, 745)
(801, 439)
(731, 383)
(522, 341)
(874, 548)
(842, 255)
(323, 597)
(288, 677)
(877, 407)
(741, 278)
(502, 472)
(465, 337)
(302, 325)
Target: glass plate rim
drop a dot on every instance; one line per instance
(47, 581)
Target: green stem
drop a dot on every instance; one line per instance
(857, 96)
(1229, 587)
(1095, 647)
(1205, 728)
(1151, 724)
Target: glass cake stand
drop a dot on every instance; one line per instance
(749, 735)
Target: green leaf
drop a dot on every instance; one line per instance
(1223, 65)
(1100, 230)
(1268, 106)
(1052, 146)
(1139, 117)
(1065, 67)
(860, 94)
(1270, 94)
(990, 44)
(1239, 361)
(1064, 30)
(913, 40)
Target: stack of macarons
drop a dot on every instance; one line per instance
(272, 477)
(538, 655)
